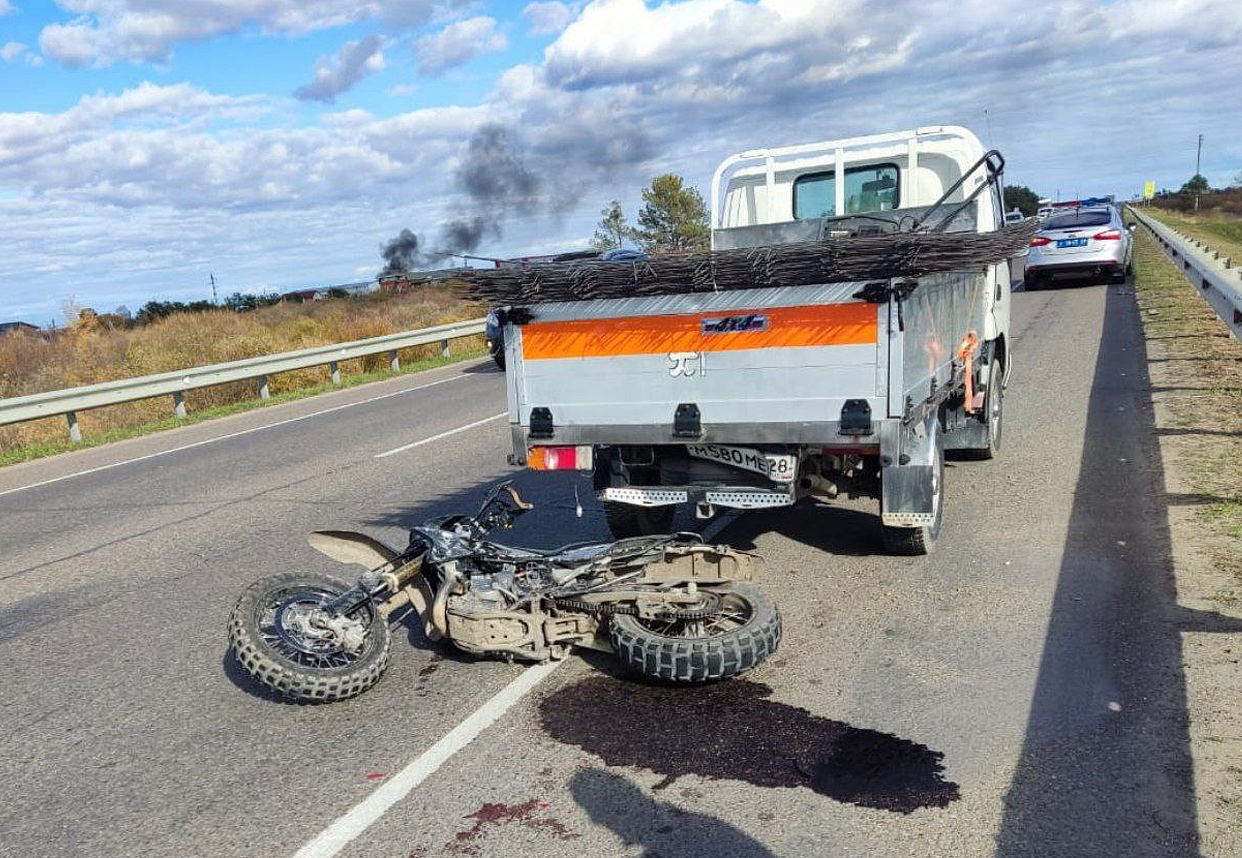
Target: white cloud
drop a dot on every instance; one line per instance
(183, 147)
(153, 183)
(11, 52)
(338, 74)
(457, 44)
(6, 8)
(103, 32)
(548, 18)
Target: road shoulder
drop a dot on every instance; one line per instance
(1196, 382)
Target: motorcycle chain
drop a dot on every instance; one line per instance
(609, 609)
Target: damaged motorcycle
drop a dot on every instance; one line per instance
(669, 606)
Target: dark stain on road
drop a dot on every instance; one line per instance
(528, 814)
(731, 731)
(432, 666)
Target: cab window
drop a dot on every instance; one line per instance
(873, 188)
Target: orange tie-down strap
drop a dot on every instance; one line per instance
(731, 330)
(965, 354)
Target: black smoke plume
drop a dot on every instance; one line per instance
(495, 182)
(401, 254)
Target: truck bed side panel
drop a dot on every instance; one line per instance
(943, 310)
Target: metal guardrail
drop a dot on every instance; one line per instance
(72, 400)
(1212, 273)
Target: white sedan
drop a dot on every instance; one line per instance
(1090, 243)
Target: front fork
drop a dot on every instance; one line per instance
(394, 585)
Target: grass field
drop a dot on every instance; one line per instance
(1218, 230)
(89, 352)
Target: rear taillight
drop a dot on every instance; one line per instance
(1108, 235)
(560, 458)
(1040, 240)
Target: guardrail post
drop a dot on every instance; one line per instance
(179, 403)
(444, 348)
(75, 431)
(335, 369)
(264, 391)
(394, 362)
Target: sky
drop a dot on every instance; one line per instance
(146, 145)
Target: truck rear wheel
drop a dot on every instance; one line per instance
(917, 541)
(626, 520)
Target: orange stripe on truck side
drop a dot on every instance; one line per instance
(787, 327)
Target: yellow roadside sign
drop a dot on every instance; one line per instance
(1149, 190)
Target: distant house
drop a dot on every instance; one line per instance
(399, 284)
(14, 327)
(301, 296)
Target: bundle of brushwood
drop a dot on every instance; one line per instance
(832, 260)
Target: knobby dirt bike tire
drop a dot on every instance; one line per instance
(287, 678)
(700, 659)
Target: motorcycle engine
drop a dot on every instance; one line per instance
(500, 614)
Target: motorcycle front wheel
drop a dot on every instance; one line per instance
(283, 639)
(742, 630)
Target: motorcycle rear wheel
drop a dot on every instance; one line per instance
(740, 637)
(301, 668)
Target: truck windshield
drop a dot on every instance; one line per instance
(873, 188)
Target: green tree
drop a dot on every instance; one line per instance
(1196, 185)
(1022, 198)
(613, 230)
(673, 217)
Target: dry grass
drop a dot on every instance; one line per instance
(89, 353)
(1197, 381)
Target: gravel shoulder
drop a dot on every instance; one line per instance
(1196, 392)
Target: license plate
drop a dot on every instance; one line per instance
(780, 468)
(1071, 242)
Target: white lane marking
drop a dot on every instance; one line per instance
(405, 447)
(230, 435)
(339, 834)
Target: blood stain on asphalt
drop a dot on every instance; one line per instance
(432, 666)
(731, 731)
(528, 814)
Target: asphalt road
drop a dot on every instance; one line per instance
(1019, 693)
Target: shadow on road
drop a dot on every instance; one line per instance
(1105, 767)
(659, 828)
(831, 528)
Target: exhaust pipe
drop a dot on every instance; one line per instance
(814, 484)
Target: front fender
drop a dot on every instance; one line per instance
(345, 546)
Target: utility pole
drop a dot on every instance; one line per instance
(1198, 160)
(214, 299)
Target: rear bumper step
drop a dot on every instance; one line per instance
(734, 498)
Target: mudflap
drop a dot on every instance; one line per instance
(907, 493)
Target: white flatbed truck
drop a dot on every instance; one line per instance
(755, 398)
